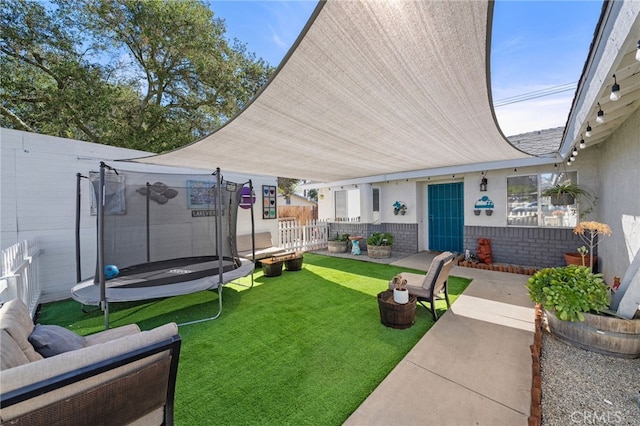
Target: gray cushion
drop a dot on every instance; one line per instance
(50, 340)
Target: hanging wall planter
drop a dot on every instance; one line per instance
(484, 203)
(399, 207)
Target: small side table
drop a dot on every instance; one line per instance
(396, 315)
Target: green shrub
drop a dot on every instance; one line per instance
(569, 291)
(380, 239)
(341, 237)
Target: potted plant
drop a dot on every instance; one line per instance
(565, 194)
(400, 292)
(569, 291)
(340, 244)
(379, 245)
(576, 306)
(590, 233)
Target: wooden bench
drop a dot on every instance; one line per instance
(272, 266)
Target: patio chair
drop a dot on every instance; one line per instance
(433, 286)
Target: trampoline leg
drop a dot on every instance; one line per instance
(210, 318)
(105, 308)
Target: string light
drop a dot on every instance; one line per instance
(600, 115)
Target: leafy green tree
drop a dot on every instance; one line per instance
(287, 186)
(46, 85)
(150, 75)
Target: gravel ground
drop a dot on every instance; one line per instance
(585, 388)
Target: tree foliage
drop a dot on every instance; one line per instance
(149, 75)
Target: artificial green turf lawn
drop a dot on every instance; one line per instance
(306, 347)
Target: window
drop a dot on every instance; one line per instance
(526, 207)
(347, 205)
(376, 199)
(341, 204)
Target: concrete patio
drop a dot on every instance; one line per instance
(472, 367)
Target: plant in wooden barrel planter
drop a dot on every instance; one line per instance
(576, 301)
(340, 244)
(379, 245)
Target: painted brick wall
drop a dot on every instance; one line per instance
(405, 235)
(540, 247)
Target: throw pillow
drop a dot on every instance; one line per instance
(50, 340)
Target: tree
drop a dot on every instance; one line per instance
(146, 75)
(46, 85)
(287, 186)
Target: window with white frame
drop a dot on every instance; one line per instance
(527, 207)
(347, 205)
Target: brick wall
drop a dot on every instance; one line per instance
(541, 247)
(405, 235)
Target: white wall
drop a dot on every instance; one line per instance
(38, 200)
(619, 202)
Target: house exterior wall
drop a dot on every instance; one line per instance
(38, 200)
(619, 201)
(519, 245)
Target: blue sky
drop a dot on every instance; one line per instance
(536, 46)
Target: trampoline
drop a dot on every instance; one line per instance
(172, 237)
(163, 279)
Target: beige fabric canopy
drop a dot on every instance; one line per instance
(370, 88)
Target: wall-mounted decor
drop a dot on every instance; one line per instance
(269, 198)
(484, 203)
(399, 207)
(201, 194)
(246, 198)
(114, 194)
(158, 192)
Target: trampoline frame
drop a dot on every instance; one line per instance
(104, 302)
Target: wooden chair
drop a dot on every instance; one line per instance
(433, 286)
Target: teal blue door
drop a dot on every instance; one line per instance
(446, 216)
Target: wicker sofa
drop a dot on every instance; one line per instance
(264, 246)
(117, 376)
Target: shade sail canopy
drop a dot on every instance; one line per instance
(370, 88)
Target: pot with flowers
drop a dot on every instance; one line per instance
(591, 233)
(379, 245)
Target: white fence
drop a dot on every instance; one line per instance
(312, 236)
(19, 278)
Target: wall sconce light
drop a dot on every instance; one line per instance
(600, 115)
(582, 144)
(638, 52)
(615, 90)
(483, 184)
(587, 133)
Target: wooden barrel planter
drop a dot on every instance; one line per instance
(378, 252)
(294, 264)
(337, 246)
(271, 269)
(396, 315)
(607, 335)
